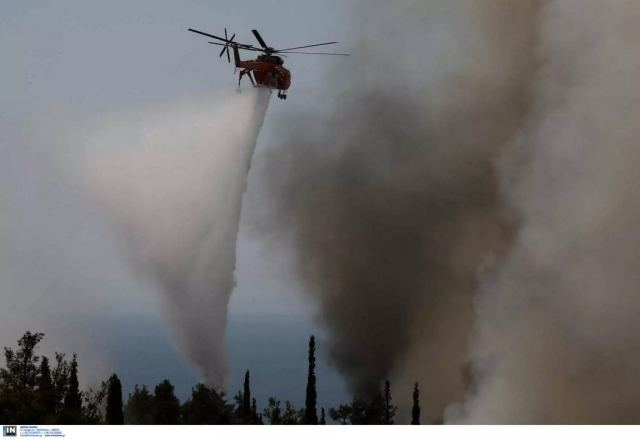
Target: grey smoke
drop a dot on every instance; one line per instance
(557, 338)
(463, 215)
(392, 199)
(173, 179)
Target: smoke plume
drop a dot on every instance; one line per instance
(463, 214)
(173, 180)
(557, 321)
(391, 199)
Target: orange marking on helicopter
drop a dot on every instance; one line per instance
(268, 69)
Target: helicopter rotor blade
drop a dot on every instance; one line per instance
(207, 35)
(259, 38)
(304, 47)
(240, 46)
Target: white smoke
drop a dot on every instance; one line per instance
(173, 179)
(557, 321)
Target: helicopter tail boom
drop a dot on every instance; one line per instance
(236, 54)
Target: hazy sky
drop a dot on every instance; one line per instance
(71, 67)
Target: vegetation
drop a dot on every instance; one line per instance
(33, 391)
(114, 413)
(310, 411)
(415, 410)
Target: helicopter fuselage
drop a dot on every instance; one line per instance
(265, 71)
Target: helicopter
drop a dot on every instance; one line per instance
(267, 70)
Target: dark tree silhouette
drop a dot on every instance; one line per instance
(167, 406)
(140, 407)
(389, 410)
(22, 366)
(273, 413)
(415, 410)
(254, 412)
(72, 406)
(45, 394)
(92, 404)
(60, 378)
(342, 414)
(32, 391)
(206, 407)
(310, 411)
(246, 399)
(291, 416)
(368, 411)
(19, 380)
(115, 414)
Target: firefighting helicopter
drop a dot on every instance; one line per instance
(268, 69)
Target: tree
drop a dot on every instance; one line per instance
(323, 420)
(310, 411)
(19, 379)
(115, 414)
(246, 399)
(415, 410)
(342, 414)
(92, 404)
(22, 369)
(60, 378)
(206, 407)
(140, 407)
(291, 416)
(72, 405)
(167, 406)
(368, 411)
(389, 410)
(45, 394)
(238, 400)
(273, 412)
(254, 412)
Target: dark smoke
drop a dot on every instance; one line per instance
(391, 198)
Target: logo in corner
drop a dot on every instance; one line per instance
(9, 431)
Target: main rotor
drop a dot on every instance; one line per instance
(264, 48)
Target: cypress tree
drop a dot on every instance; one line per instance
(415, 411)
(115, 415)
(45, 394)
(246, 398)
(73, 399)
(389, 410)
(60, 380)
(311, 412)
(323, 420)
